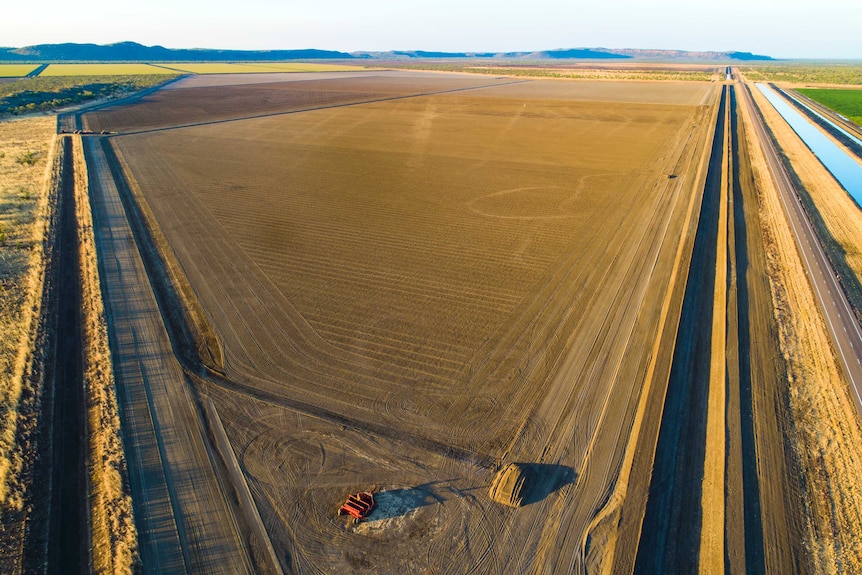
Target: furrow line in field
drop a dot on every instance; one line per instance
(459, 347)
(345, 278)
(248, 236)
(352, 272)
(384, 350)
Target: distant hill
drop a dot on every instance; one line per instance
(134, 52)
(688, 55)
(575, 53)
(569, 53)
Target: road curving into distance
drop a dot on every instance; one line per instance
(843, 327)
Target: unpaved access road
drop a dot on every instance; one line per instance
(185, 522)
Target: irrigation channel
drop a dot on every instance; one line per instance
(844, 168)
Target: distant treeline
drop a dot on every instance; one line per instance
(847, 74)
(576, 73)
(49, 93)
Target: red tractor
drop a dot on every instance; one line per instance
(358, 505)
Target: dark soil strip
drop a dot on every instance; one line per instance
(37, 71)
(323, 107)
(670, 537)
(68, 540)
(754, 560)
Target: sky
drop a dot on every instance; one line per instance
(778, 28)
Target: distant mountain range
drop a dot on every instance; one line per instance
(134, 52)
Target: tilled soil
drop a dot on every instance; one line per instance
(428, 272)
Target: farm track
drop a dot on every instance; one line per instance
(173, 483)
(555, 382)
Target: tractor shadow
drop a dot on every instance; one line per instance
(546, 478)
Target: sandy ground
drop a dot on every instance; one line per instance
(413, 400)
(312, 411)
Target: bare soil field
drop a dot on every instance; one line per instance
(412, 291)
(224, 100)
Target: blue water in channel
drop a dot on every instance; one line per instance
(845, 169)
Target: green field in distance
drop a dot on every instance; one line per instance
(848, 103)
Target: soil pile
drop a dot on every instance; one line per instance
(512, 484)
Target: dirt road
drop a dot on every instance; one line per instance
(185, 524)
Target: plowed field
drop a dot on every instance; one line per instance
(451, 273)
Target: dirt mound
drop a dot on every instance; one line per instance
(512, 484)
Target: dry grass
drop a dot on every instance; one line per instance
(24, 172)
(827, 436)
(114, 537)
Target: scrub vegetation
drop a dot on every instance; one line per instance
(589, 72)
(26, 205)
(845, 74)
(49, 93)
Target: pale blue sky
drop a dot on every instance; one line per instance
(779, 28)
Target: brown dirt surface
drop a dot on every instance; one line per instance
(433, 324)
(114, 537)
(824, 431)
(181, 106)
